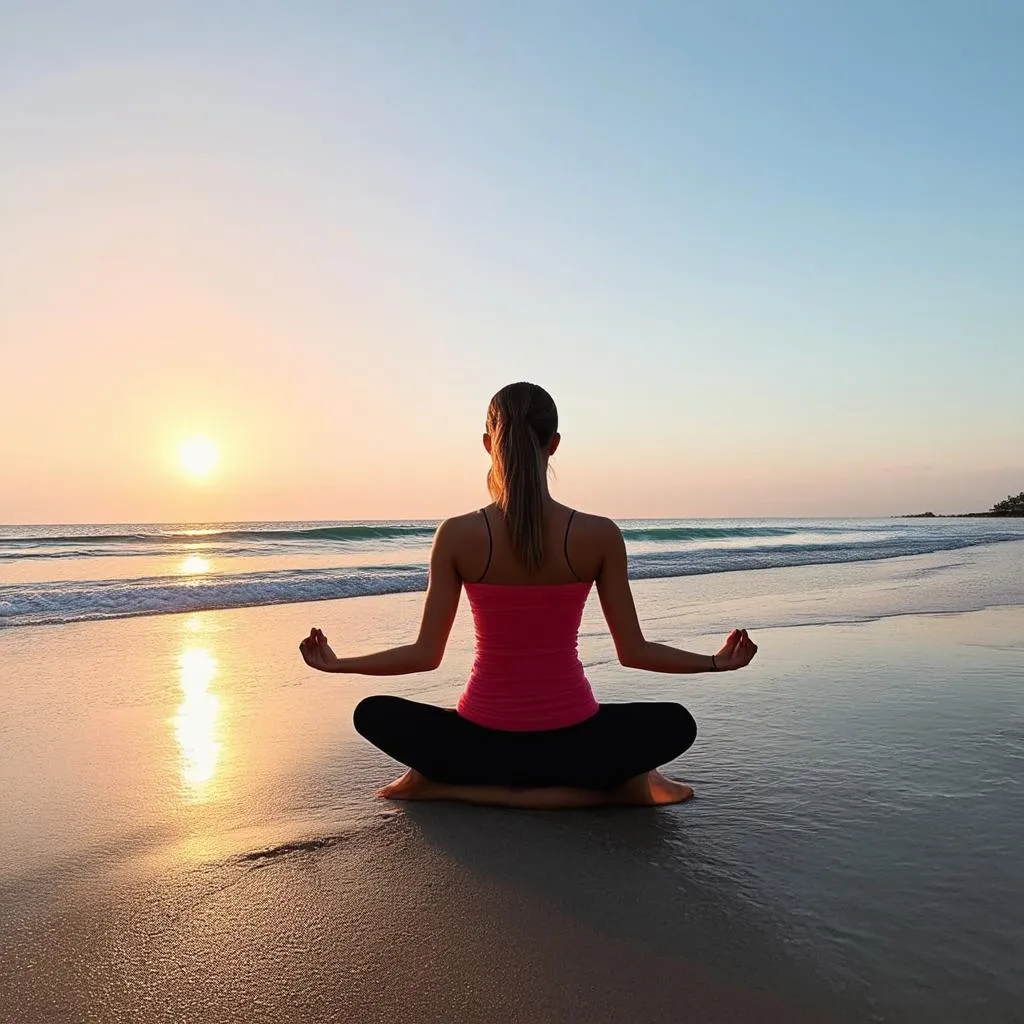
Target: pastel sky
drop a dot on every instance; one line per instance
(768, 255)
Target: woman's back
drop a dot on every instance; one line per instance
(527, 674)
(485, 553)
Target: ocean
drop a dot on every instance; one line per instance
(55, 574)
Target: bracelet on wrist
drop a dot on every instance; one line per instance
(714, 665)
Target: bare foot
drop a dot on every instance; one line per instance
(649, 789)
(667, 791)
(644, 790)
(411, 786)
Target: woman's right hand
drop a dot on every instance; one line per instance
(316, 651)
(737, 651)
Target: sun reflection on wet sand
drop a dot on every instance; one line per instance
(196, 723)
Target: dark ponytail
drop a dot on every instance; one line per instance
(521, 421)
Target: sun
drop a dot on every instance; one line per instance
(198, 457)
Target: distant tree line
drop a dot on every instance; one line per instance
(1013, 506)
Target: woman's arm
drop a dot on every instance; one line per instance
(443, 590)
(633, 649)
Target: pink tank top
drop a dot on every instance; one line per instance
(527, 675)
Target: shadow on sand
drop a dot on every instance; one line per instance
(636, 877)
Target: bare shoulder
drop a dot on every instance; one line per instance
(594, 540)
(462, 527)
(599, 529)
(459, 537)
(463, 542)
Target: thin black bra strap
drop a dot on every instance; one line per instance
(490, 544)
(565, 546)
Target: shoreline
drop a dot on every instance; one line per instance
(77, 600)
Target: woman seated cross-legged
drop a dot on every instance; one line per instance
(527, 730)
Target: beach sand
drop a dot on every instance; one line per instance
(440, 915)
(190, 832)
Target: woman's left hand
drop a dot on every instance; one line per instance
(737, 651)
(316, 651)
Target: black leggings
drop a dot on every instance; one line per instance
(620, 741)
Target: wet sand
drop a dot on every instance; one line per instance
(190, 832)
(438, 914)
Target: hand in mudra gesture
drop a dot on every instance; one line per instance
(737, 651)
(316, 651)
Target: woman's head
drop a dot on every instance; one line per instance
(522, 432)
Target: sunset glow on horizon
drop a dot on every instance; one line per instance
(753, 288)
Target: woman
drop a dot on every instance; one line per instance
(527, 731)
